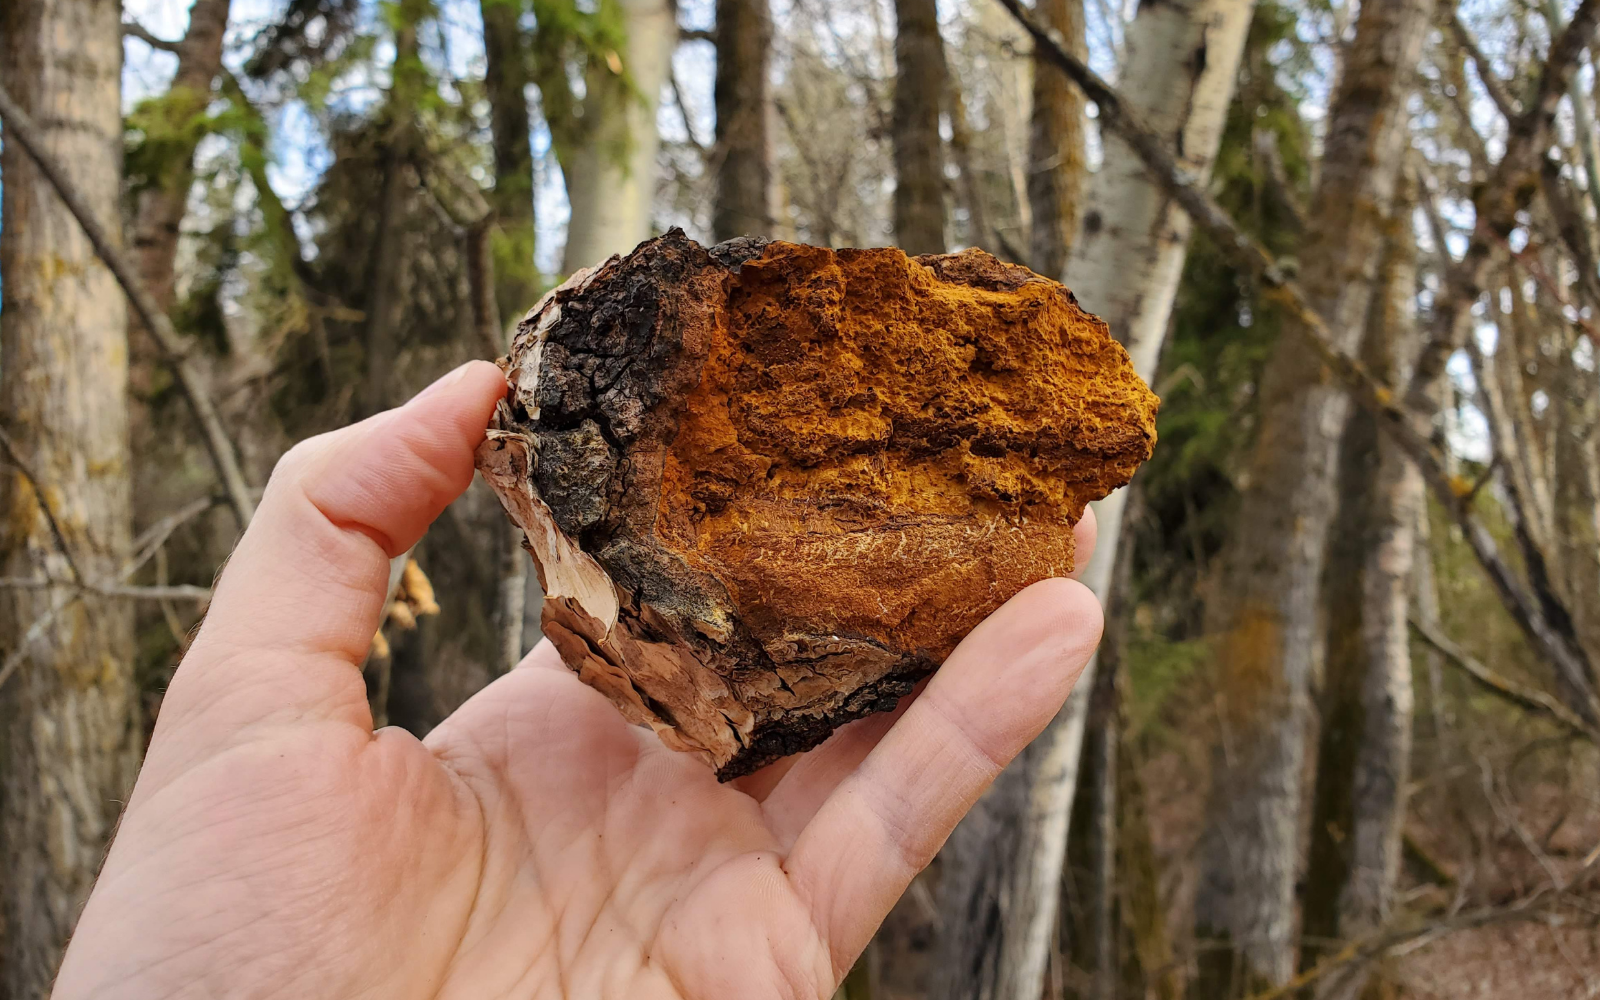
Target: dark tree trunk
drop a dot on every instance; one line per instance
(1365, 754)
(161, 206)
(385, 305)
(1089, 921)
(919, 90)
(506, 77)
(743, 152)
(1055, 146)
(978, 232)
(1266, 614)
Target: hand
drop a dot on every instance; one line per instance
(534, 845)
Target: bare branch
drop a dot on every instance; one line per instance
(20, 127)
(1502, 687)
(1496, 87)
(168, 592)
(1534, 906)
(1498, 201)
(683, 112)
(1436, 229)
(476, 210)
(35, 630)
(1408, 424)
(73, 593)
(15, 455)
(1575, 234)
(1561, 62)
(144, 547)
(133, 29)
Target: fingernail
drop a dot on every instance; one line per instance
(443, 382)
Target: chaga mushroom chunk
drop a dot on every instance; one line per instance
(768, 486)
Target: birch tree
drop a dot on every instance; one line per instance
(1004, 863)
(69, 710)
(611, 167)
(1364, 759)
(1265, 614)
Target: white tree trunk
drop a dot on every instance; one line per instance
(611, 175)
(1179, 69)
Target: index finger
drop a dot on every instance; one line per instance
(885, 822)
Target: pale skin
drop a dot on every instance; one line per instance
(534, 845)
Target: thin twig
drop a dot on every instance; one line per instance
(1531, 699)
(683, 112)
(44, 503)
(168, 592)
(133, 29)
(169, 613)
(1491, 81)
(34, 631)
(20, 128)
(1407, 423)
(144, 547)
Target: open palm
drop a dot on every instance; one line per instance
(534, 845)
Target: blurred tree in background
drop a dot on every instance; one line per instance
(1340, 738)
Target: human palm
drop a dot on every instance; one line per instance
(534, 845)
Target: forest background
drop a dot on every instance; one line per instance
(1340, 740)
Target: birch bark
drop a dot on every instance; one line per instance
(611, 172)
(1003, 864)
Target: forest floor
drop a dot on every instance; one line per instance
(1477, 840)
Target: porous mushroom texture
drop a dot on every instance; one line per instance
(769, 486)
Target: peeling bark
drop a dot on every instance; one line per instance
(767, 487)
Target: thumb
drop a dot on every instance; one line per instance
(303, 592)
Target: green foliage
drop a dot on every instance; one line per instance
(1160, 667)
(569, 44)
(160, 136)
(322, 79)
